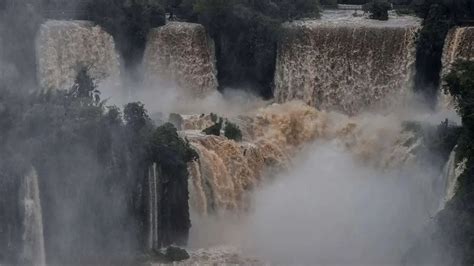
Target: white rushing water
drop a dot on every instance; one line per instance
(33, 249)
(153, 204)
(181, 54)
(346, 63)
(63, 47)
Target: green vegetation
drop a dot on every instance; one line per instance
(438, 17)
(430, 43)
(378, 9)
(92, 160)
(439, 139)
(458, 9)
(214, 129)
(329, 3)
(455, 224)
(460, 84)
(245, 32)
(232, 131)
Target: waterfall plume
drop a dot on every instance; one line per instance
(63, 47)
(181, 54)
(348, 65)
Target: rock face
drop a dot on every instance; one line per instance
(181, 54)
(227, 171)
(459, 45)
(63, 47)
(346, 65)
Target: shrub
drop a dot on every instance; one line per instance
(232, 131)
(176, 254)
(378, 9)
(214, 129)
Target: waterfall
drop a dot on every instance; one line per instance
(65, 46)
(459, 45)
(33, 240)
(346, 65)
(153, 206)
(183, 54)
(228, 171)
(449, 177)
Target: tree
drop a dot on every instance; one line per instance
(378, 9)
(214, 129)
(460, 84)
(136, 116)
(232, 131)
(84, 87)
(454, 224)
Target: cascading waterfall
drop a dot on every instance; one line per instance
(344, 65)
(347, 65)
(181, 54)
(63, 47)
(459, 45)
(153, 204)
(33, 248)
(227, 171)
(449, 177)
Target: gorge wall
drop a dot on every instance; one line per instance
(63, 47)
(346, 65)
(181, 54)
